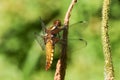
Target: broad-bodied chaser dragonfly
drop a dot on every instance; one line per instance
(48, 37)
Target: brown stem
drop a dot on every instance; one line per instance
(61, 64)
(109, 71)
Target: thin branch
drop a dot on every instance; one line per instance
(67, 16)
(109, 71)
(62, 62)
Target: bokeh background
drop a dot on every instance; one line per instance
(21, 57)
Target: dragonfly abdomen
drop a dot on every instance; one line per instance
(49, 53)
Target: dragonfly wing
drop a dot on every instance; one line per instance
(75, 35)
(80, 24)
(76, 44)
(39, 36)
(77, 29)
(40, 40)
(43, 27)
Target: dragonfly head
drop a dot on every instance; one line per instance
(57, 23)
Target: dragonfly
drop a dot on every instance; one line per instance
(48, 37)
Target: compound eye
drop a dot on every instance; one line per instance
(57, 23)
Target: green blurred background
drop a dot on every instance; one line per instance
(21, 57)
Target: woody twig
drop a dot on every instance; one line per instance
(62, 62)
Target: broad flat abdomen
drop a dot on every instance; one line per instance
(49, 53)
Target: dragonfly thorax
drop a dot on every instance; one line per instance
(48, 36)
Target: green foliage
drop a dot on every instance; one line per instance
(21, 57)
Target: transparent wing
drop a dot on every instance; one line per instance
(76, 29)
(79, 23)
(76, 44)
(40, 40)
(75, 36)
(39, 36)
(43, 27)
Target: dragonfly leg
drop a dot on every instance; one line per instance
(55, 40)
(62, 41)
(64, 27)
